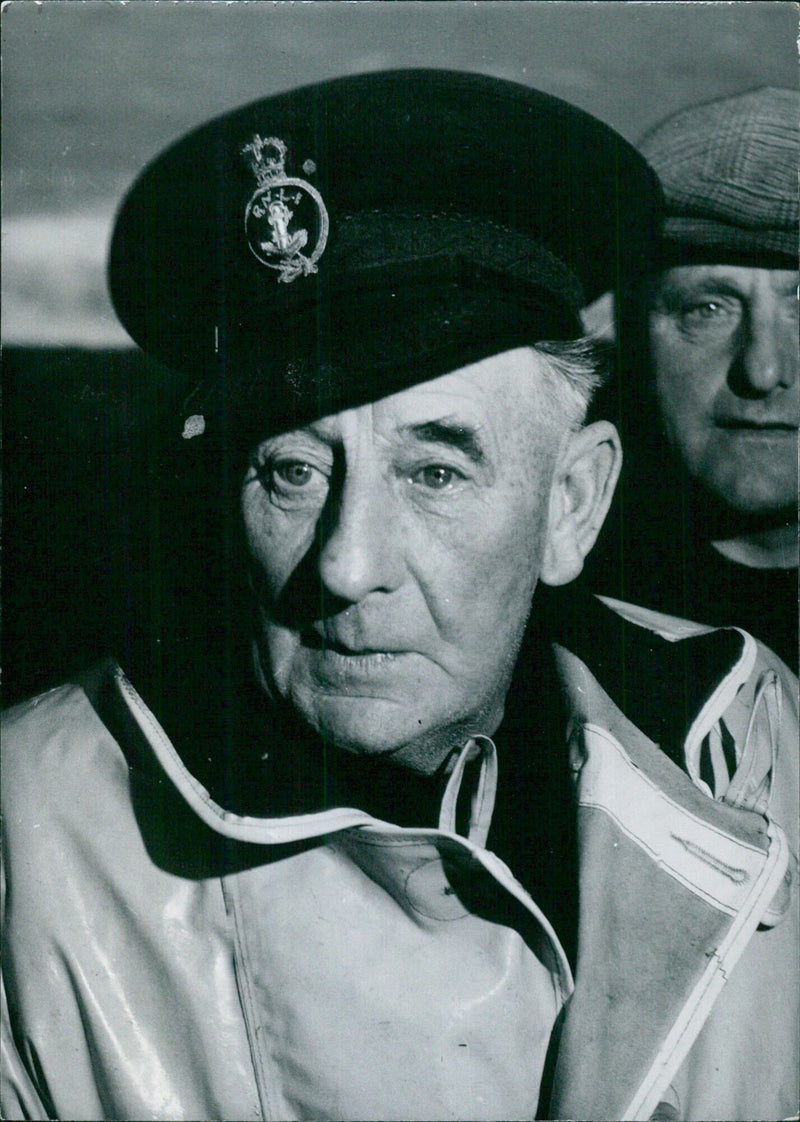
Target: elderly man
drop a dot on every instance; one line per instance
(724, 345)
(464, 851)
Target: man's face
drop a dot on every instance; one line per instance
(395, 552)
(724, 341)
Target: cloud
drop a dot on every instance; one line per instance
(54, 285)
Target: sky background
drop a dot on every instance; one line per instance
(92, 90)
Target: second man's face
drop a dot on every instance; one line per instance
(395, 552)
(724, 343)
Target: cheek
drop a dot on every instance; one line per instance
(276, 542)
(481, 578)
(518, 562)
(687, 379)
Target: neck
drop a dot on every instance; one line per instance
(775, 548)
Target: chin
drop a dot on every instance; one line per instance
(761, 479)
(752, 495)
(756, 502)
(365, 726)
(377, 727)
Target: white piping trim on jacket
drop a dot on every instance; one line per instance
(711, 863)
(768, 687)
(298, 827)
(483, 797)
(671, 628)
(271, 831)
(715, 704)
(503, 875)
(240, 827)
(493, 865)
(695, 1011)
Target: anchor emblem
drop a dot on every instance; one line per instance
(284, 215)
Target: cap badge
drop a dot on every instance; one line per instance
(285, 215)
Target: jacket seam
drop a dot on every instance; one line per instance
(596, 729)
(697, 1008)
(267, 1105)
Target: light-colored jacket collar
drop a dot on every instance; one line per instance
(673, 883)
(587, 702)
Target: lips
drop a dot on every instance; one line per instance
(354, 670)
(322, 638)
(747, 425)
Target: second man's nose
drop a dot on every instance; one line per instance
(769, 353)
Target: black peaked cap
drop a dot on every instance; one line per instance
(432, 218)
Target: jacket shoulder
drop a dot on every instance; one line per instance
(57, 742)
(668, 627)
(673, 628)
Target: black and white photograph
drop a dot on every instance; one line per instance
(400, 561)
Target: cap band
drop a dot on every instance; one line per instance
(729, 173)
(382, 238)
(734, 240)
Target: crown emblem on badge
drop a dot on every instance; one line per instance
(285, 215)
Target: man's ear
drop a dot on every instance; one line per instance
(586, 474)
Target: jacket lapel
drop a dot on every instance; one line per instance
(672, 886)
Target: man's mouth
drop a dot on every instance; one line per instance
(743, 424)
(352, 667)
(321, 642)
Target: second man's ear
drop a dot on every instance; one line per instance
(586, 474)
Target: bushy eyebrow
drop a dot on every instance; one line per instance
(451, 434)
(705, 286)
(717, 285)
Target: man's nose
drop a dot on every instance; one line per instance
(769, 355)
(360, 551)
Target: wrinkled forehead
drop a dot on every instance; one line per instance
(475, 409)
(734, 278)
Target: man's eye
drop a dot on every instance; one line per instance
(294, 481)
(437, 477)
(296, 473)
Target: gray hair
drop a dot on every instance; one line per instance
(574, 369)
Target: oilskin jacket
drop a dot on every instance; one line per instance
(333, 966)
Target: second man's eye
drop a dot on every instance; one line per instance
(708, 309)
(714, 316)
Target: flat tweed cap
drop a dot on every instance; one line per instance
(729, 173)
(337, 243)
